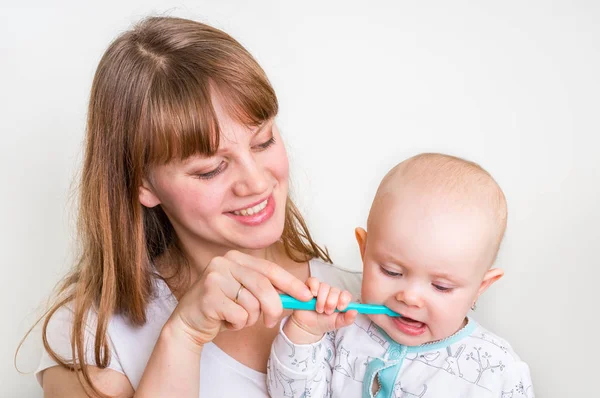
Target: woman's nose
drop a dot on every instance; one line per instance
(253, 179)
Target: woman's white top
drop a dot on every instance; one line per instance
(131, 346)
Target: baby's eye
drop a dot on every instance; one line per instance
(442, 289)
(390, 273)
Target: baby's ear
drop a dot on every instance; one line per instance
(361, 239)
(489, 278)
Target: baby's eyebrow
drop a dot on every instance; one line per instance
(449, 277)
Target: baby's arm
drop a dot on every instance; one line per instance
(517, 380)
(299, 355)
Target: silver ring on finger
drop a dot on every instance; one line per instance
(237, 295)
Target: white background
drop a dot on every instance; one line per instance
(362, 85)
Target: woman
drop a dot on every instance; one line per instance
(186, 227)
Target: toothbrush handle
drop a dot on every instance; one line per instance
(371, 309)
(293, 304)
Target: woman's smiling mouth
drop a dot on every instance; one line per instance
(255, 214)
(251, 210)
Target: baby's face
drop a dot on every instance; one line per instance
(425, 259)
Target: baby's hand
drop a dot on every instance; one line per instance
(305, 327)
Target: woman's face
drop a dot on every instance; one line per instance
(235, 199)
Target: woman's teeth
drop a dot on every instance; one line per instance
(251, 210)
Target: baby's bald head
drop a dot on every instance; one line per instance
(447, 182)
(432, 236)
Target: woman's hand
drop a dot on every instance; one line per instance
(231, 294)
(306, 327)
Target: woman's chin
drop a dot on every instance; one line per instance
(258, 240)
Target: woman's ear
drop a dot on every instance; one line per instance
(361, 239)
(146, 194)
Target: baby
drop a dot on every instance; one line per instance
(434, 231)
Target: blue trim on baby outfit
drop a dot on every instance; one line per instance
(387, 369)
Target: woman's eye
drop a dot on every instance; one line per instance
(212, 173)
(442, 289)
(390, 273)
(265, 145)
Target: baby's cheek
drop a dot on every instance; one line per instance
(449, 319)
(373, 288)
(380, 320)
(365, 293)
(371, 294)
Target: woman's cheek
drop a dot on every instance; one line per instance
(282, 166)
(206, 199)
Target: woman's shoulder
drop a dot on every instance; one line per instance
(161, 304)
(130, 345)
(58, 336)
(335, 275)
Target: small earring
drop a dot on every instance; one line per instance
(474, 306)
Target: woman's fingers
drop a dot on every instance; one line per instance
(248, 302)
(279, 278)
(216, 302)
(234, 315)
(258, 293)
(264, 292)
(236, 289)
(221, 290)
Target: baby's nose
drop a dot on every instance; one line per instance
(410, 297)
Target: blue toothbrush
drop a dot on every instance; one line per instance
(293, 304)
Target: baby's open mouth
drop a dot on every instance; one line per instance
(410, 326)
(411, 321)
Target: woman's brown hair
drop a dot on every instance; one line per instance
(150, 102)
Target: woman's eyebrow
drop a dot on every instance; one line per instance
(262, 126)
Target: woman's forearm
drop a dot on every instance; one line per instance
(173, 369)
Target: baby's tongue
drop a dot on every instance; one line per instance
(411, 321)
